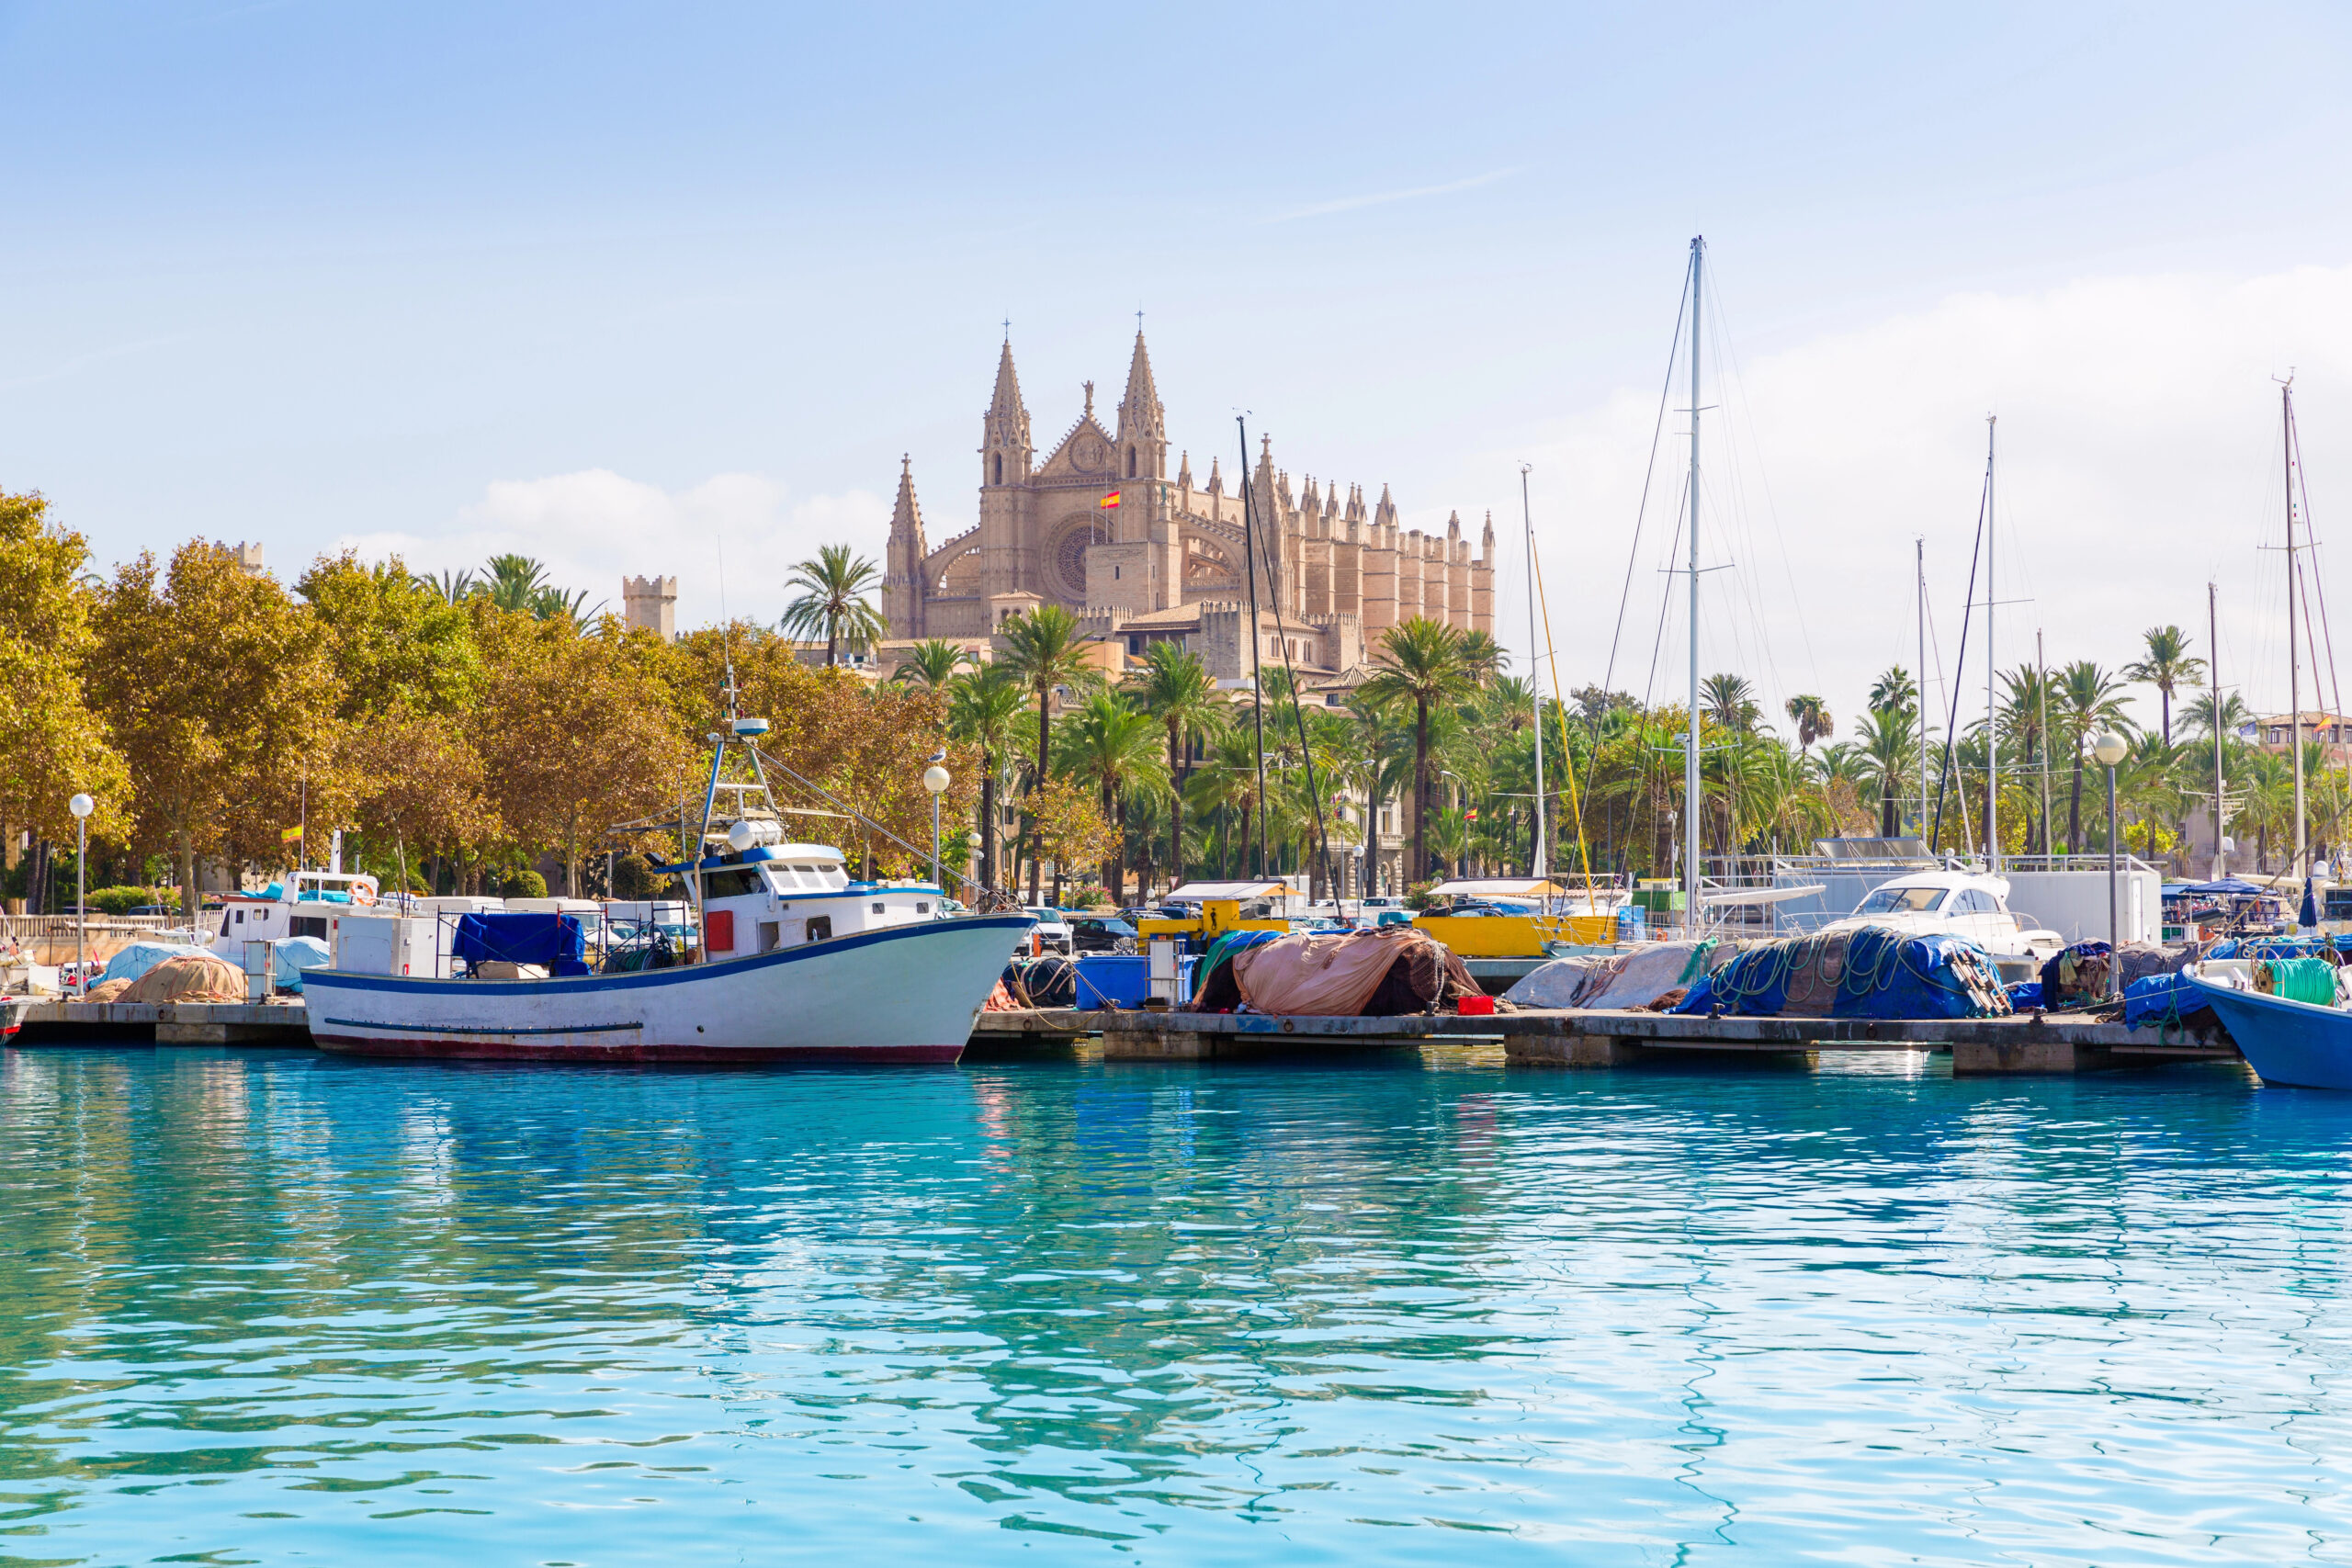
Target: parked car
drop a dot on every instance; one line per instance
(1099, 933)
(1052, 931)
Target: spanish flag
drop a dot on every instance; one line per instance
(1110, 502)
(292, 836)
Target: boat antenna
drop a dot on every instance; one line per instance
(726, 627)
(2214, 670)
(1992, 730)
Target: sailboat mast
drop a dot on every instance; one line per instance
(2213, 671)
(1692, 799)
(1992, 730)
(1535, 865)
(2294, 656)
(1919, 615)
(1257, 680)
(2041, 692)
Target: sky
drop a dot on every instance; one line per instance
(672, 289)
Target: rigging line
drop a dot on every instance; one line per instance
(1665, 609)
(1567, 757)
(2319, 583)
(1967, 614)
(1658, 432)
(1314, 794)
(1735, 402)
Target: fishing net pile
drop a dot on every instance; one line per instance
(1855, 972)
(1383, 972)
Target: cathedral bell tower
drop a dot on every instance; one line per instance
(1005, 458)
(1147, 516)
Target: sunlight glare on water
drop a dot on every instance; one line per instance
(276, 1307)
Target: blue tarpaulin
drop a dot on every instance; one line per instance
(1871, 972)
(553, 941)
(2228, 887)
(2163, 999)
(294, 954)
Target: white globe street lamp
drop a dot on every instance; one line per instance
(81, 806)
(935, 778)
(2110, 749)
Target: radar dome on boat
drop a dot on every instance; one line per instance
(755, 831)
(750, 726)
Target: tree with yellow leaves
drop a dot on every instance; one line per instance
(222, 695)
(51, 743)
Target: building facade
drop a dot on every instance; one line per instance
(1102, 527)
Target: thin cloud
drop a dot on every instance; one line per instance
(1381, 199)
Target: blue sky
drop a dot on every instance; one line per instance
(611, 284)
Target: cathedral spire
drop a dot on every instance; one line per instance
(1143, 423)
(1005, 451)
(902, 579)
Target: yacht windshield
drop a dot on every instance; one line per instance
(1901, 901)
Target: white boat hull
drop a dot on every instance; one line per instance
(905, 993)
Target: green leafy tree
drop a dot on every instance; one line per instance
(2087, 700)
(52, 742)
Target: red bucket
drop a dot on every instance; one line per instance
(1476, 1006)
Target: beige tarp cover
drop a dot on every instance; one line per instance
(190, 978)
(1624, 980)
(1330, 973)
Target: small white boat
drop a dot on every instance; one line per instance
(306, 903)
(1954, 903)
(795, 963)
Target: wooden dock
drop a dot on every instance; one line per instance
(2054, 1043)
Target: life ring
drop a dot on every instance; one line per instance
(361, 894)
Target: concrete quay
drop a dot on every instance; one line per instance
(48, 1021)
(2054, 1043)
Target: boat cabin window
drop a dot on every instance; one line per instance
(1901, 901)
(730, 882)
(1973, 901)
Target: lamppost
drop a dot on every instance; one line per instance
(2110, 749)
(935, 779)
(81, 806)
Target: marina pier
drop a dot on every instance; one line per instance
(2025, 1043)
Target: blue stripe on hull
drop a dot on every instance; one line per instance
(685, 975)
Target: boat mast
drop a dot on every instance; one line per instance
(1992, 730)
(2041, 693)
(1692, 799)
(1257, 682)
(1535, 865)
(2214, 670)
(2294, 656)
(1919, 615)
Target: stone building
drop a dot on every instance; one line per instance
(1101, 526)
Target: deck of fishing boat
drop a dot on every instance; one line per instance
(2052, 1043)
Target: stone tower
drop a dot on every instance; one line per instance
(1143, 423)
(650, 603)
(1006, 456)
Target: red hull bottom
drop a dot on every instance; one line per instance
(493, 1051)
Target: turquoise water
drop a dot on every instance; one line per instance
(277, 1308)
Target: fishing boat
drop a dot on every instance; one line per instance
(2289, 1034)
(303, 903)
(796, 963)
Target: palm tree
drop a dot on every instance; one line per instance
(1044, 649)
(2197, 714)
(1730, 701)
(450, 587)
(1483, 656)
(1812, 717)
(1227, 784)
(513, 583)
(1116, 748)
(551, 604)
(2167, 668)
(2090, 699)
(1421, 662)
(1177, 689)
(1893, 689)
(833, 603)
(982, 705)
(1890, 756)
(929, 663)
